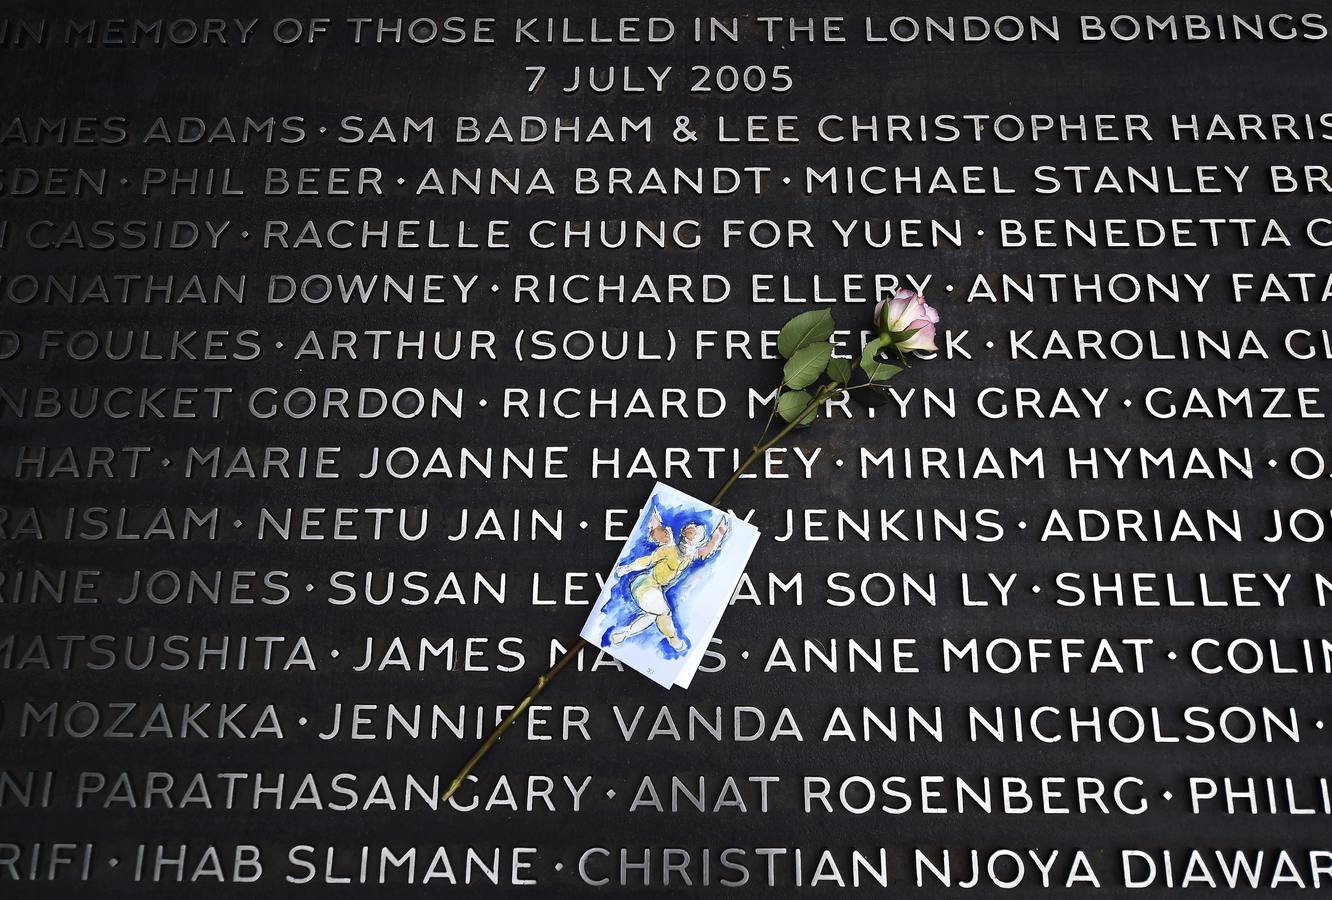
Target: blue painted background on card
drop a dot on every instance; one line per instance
(621, 609)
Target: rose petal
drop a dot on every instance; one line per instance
(922, 340)
(901, 310)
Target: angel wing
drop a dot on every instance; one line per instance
(718, 535)
(654, 522)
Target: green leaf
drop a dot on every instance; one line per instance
(881, 372)
(878, 372)
(806, 365)
(791, 403)
(839, 370)
(805, 329)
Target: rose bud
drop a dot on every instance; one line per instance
(907, 321)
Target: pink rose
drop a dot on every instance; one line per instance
(907, 320)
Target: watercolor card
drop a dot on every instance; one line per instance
(672, 583)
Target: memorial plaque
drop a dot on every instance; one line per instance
(342, 345)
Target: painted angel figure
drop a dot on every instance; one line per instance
(662, 568)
